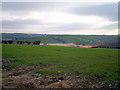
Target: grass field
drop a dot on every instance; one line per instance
(99, 64)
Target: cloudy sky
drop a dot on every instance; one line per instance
(60, 17)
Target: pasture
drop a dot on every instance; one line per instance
(97, 66)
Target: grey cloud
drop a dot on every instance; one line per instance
(17, 24)
(30, 6)
(109, 11)
(110, 26)
(72, 26)
(21, 6)
(80, 26)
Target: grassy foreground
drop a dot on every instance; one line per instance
(70, 60)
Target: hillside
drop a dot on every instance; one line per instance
(33, 66)
(104, 40)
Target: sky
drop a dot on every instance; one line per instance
(96, 18)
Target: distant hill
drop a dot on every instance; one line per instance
(52, 38)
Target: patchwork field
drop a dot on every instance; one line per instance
(41, 66)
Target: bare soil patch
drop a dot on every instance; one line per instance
(68, 44)
(21, 77)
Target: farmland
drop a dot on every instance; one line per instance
(53, 38)
(72, 66)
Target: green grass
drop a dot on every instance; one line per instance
(74, 60)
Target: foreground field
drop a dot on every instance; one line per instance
(40, 66)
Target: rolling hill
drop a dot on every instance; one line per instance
(103, 40)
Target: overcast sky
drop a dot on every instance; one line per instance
(60, 17)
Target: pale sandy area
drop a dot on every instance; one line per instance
(66, 44)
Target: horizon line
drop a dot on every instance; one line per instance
(59, 34)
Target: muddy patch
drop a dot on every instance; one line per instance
(22, 77)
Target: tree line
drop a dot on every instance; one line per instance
(20, 42)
